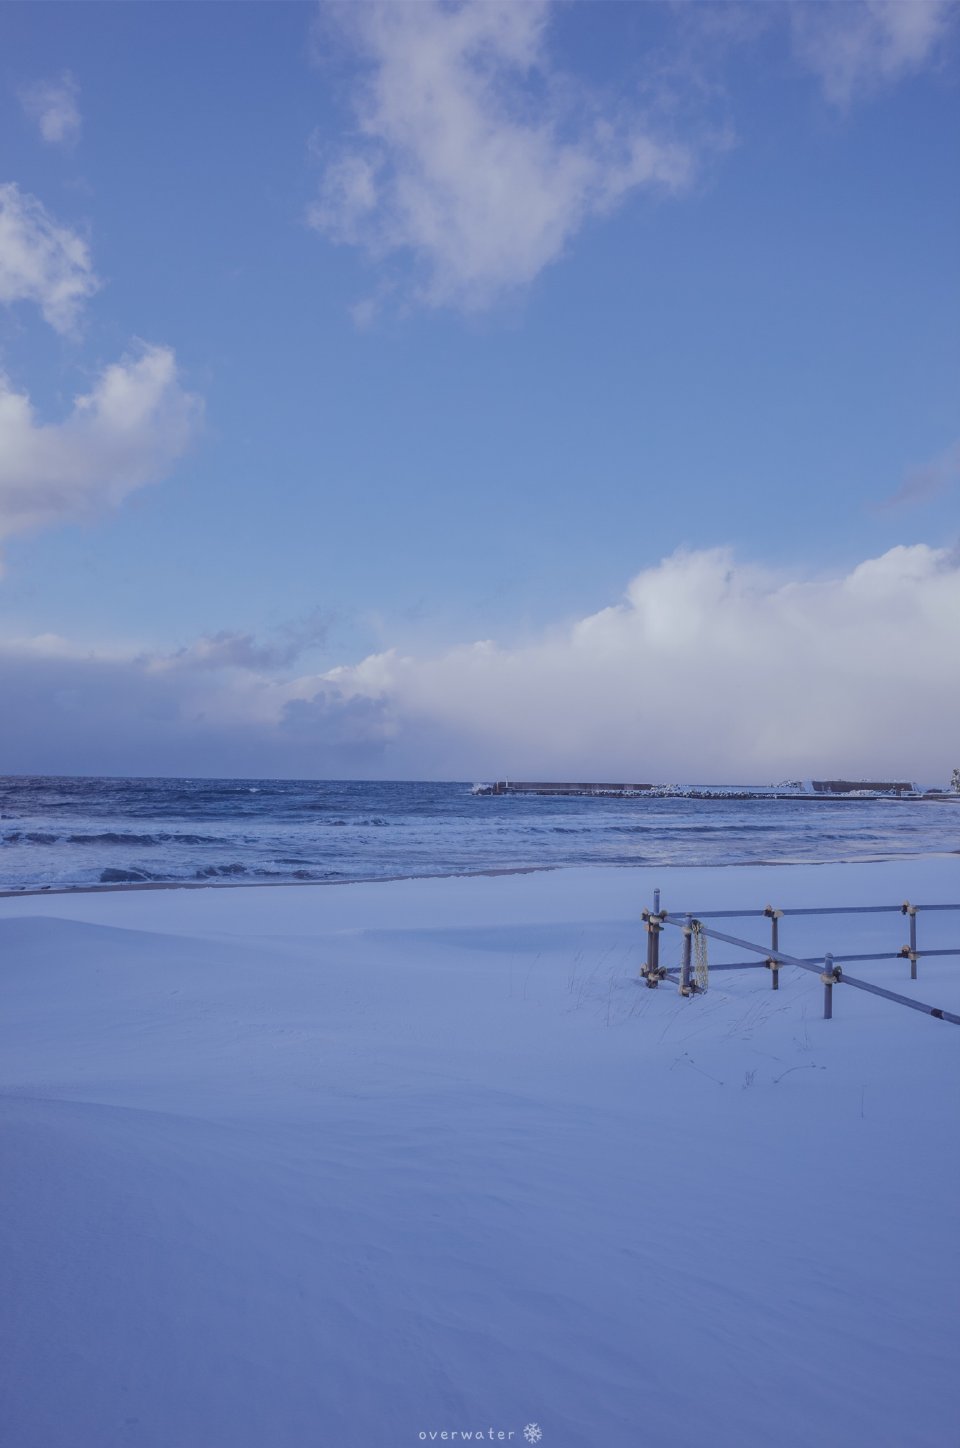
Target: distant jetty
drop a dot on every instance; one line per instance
(791, 789)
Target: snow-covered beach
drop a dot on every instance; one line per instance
(369, 1164)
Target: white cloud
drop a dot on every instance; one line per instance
(706, 670)
(125, 432)
(42, 261)
(856, 46)
(472, 154)
(52, 105)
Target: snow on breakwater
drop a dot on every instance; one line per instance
(62, 832)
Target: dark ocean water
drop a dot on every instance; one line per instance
(59, 832)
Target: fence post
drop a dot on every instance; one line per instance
(831, 974)
(910, 951)
(651, 971)
(774, 965)
(685, 989)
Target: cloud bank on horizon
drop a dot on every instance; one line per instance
(706, 669)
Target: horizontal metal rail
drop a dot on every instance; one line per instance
(739, 965)
(817, 968)
(676, 918)
(866, 909)
(815, 960)
(764, 950)
(892, 995)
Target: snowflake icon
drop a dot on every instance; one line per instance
(533, 1432)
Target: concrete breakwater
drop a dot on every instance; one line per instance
(792, 789)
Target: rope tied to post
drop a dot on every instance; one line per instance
(701, 972)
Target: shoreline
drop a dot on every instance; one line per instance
(492, 872)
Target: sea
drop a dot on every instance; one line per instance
(58, 833)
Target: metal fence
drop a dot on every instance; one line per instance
(695, 934)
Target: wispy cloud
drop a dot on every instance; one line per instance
(41, 261)
(234, 650)
(125, 432)
(706, 667)
(857, 46)
(472, 154)
(52, 106)
(928, 481)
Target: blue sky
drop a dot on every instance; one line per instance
(405, 329)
